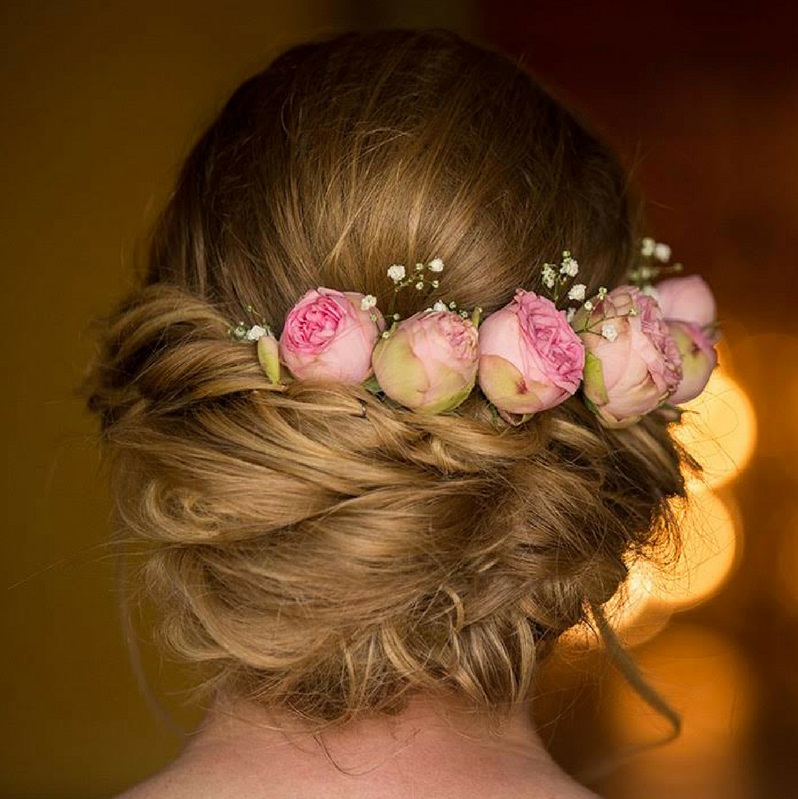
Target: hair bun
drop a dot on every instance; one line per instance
(307, 539)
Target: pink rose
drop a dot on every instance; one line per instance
(688, 306)
(633, 363)
(429, 361)
(328, 336)
(698, 359)
(688, 299)
(530, 359)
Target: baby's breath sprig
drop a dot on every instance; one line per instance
(593, 318)
(555, 276)
(401, 278)
(452, 306)
(654, 258)
(589, 306)
(244, 332)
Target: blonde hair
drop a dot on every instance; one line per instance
(317, 549)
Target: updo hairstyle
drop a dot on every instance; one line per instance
(316, 548)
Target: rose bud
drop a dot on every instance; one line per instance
(688, 299)
(329, 335)
(269, 356)
(632, 363)
(530, 359)
(429, 361)
(698, 359)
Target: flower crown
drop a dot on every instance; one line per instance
(631, 350)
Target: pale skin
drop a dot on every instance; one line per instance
(433, 749)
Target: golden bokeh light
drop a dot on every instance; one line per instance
(769, 362)
(630, 604)
(719, 430)
(634, 612)
(711, 541)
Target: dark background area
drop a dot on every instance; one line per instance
(102, 101)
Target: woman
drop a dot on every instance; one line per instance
(382, 443)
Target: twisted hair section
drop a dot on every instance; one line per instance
(315, 547)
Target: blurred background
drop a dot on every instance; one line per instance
(103, 100)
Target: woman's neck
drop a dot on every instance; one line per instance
(425, 723)
(432, 748)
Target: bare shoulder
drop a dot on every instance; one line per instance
(153, 788)
(174, 782)
(180, 783)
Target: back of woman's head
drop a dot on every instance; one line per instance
(317, 548)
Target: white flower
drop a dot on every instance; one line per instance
(569, 267)
(577, 292)
(436, 265)
(588, 306)
(650, 291)
(420, 285)
(549, 276)
(662, 252)
(570, 314)
(440, 306)
(396, 273)
(369, 301)
(602, 292)
(609, 331)
(647, 247)
(255, 332)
